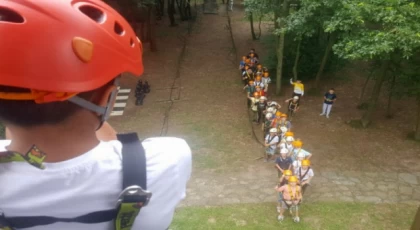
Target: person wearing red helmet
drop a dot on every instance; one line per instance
(63, 166)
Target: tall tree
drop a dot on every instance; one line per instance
(280, 47)
(380, 29)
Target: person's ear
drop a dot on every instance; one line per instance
(101, 96)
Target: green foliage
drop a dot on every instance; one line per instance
(311, 54)
(2, 131)
(378, 29)
(259, 8)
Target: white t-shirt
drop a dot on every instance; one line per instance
(92, 182)
(273, 140)
(306, 177)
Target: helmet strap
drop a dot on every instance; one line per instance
(104, 112)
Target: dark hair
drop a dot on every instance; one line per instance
(332, 89)
(29, 113)
(253, 49)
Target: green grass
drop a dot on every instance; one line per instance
(323, 216)
(2, 131)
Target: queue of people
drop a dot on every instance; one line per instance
(292, 162)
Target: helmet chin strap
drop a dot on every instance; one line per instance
(104, 112)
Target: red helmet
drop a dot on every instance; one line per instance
(61, 48)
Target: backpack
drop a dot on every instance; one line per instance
(132, 199)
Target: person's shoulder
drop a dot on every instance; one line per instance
(173, 148)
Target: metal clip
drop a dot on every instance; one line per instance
(133, 191)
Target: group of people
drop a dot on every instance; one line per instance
(281, 147)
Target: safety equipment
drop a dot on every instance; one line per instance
(278, 114)
(64, 47)
(293, 179)
(306, 162)
(290, 138)
(289, 134)
(283, 129)
(132, 199)
(287, 172)
(273, 130)
(263, 98)
(284, 151)
(283, 115)
(268, 116)
(296, 98)
(297, 144)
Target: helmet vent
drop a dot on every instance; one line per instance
(118, 29)
(7, 15)
(93, 13)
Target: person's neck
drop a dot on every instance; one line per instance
(59, 142)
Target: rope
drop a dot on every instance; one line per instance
(181, 57)
(234, 50)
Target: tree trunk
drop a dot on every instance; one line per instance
(328, 49)
(295, 66)
(417, 133)
(367, 116)
(280, 49)
(251, 23)
(171, 12)
(259, 27)
(151, 19)
(391, 88)
(362, 94)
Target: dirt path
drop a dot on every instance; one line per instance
(204, 104)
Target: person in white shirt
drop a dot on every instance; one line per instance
(58, 163)
(271, 141)
(304, 174)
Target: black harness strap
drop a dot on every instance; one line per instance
(134, 173)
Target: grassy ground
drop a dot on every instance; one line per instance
(325, 216)
(1, 131)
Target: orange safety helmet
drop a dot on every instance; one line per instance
(278, 114)
(58, 49)
(289, 134)
(283, 115)
(306, 162)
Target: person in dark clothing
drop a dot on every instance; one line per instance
(283, 162)
(329, 99)
(252, 51)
